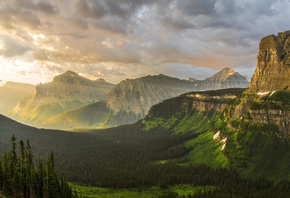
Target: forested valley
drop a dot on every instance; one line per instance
(122, 157)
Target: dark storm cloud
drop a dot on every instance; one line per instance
(46, 7)
(96, 10)
(99, 8)
(196, 7)
(12, 19)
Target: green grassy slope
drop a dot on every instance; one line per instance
(180, 116)
(255, 147)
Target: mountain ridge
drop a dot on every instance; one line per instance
(133, 98)
(65, 92)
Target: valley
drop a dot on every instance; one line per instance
(156, 134)
(143, 98)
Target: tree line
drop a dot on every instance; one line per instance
(20, 178)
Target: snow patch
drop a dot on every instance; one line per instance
(272, 93)
(224, 142)
(223, 147)
(262, 93)
(217, 135)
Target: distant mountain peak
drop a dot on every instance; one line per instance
(70, 73)
(189, 79)
(225, 72)
(100, 80)
(227, 69)
(69, 77)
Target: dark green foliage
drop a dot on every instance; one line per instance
(256, 105)
(18, 178)
(228, 183)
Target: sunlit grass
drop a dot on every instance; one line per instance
(96, 192)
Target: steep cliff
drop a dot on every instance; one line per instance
(266, 101)
(273, 64)
(257, 125)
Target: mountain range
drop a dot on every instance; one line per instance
(67, 91)
(245, 130)
(131, 99)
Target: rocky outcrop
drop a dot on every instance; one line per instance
(212, 101)
(273, 64)
(205, 102)
(266, 102)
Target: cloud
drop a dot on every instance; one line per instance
(12, 48)
(97, 10)
(102, 37)
(47, 8)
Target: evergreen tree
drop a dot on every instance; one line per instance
(19, 179)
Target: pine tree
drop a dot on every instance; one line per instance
(18, 178)
(30, 172)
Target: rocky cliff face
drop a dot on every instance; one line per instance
(203, 101)
(267, 99)
(190, 111)
(273, 64)
(67, 91)
(138, 95)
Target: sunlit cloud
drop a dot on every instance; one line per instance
(115, 40)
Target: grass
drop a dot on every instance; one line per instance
(96, 192)
(206, 151)
(195, 122)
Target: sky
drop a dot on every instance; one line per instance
(115, 40)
